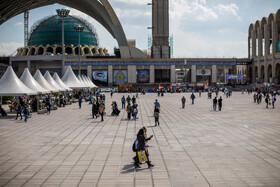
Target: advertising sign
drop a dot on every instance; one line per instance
(205, 72)
(100, 75)
(143, 76)
(120, 77)
(235, 76)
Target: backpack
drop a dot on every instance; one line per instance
(25, 111)
(134, 146)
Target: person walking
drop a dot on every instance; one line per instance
(267, 100)
(48, 103)
(129, 110)
(25, 113)
(200, 91)
(255, 97)
(133, 100)
(135, 111)
(156, 104)
(183, 101)
(156, 112)
(220, 103)
(215, 103)
(123, 102)
(80, 102)
(273, 99)
(128, 99)
(18, 110)
(192, 98)
(101, 110)
(94, 109)
(141, 146)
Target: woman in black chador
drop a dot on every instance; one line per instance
(141, 146)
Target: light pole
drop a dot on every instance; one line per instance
(62, 13)
(79, 29)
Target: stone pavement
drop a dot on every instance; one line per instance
(195, 146)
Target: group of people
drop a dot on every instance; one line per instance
(215, 101)
(132, 107)
(270, 98)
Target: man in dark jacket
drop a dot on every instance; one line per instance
(215, 103)
(220, 101)
(123, 102)
(141, 146)
(94, 110)
(18, 109)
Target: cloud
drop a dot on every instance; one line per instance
(134, 2)
(229, 9)
(18, 23)
(196, 9)
(8, 48)
(132, 13)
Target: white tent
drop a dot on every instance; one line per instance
(90, 82)
(86, 82)
(31, 83)
(42, 81)
(60, 83)
(52, 82)
(83, 82)
(71, 80)
(11, 85)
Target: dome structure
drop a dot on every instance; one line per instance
(49, 31)
(46, 38)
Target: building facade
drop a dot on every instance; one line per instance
(264, 49)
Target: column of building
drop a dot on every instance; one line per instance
(193, 71)
(253, 34)
(110, 75)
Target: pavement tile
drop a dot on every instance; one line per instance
(238, 146)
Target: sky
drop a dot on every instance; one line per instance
(200, 28)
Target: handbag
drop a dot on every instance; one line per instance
(142, 157)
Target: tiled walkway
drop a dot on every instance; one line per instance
(195, 146)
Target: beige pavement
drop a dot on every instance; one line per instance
(195, 146)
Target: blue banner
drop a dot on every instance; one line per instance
(235, 76)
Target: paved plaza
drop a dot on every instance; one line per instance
(195, 146)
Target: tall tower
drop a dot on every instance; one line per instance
(160, 29)
(26, 13)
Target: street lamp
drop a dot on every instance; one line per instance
(62, 13)
(79, 29)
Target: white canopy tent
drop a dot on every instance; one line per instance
(42, 81)
(11, 85)
(90, 82)
(60, 83)
(52, 82)
(31, 83)
(86, 82)
(71, 80)
(83, 82)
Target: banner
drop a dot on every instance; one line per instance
(120, 77)
(206, 72)
(143, 76)
(235, 76)
(100, 75)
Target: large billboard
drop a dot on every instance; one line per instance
(235, 76)
(100, 75)
(120, 77)
(143, 76)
